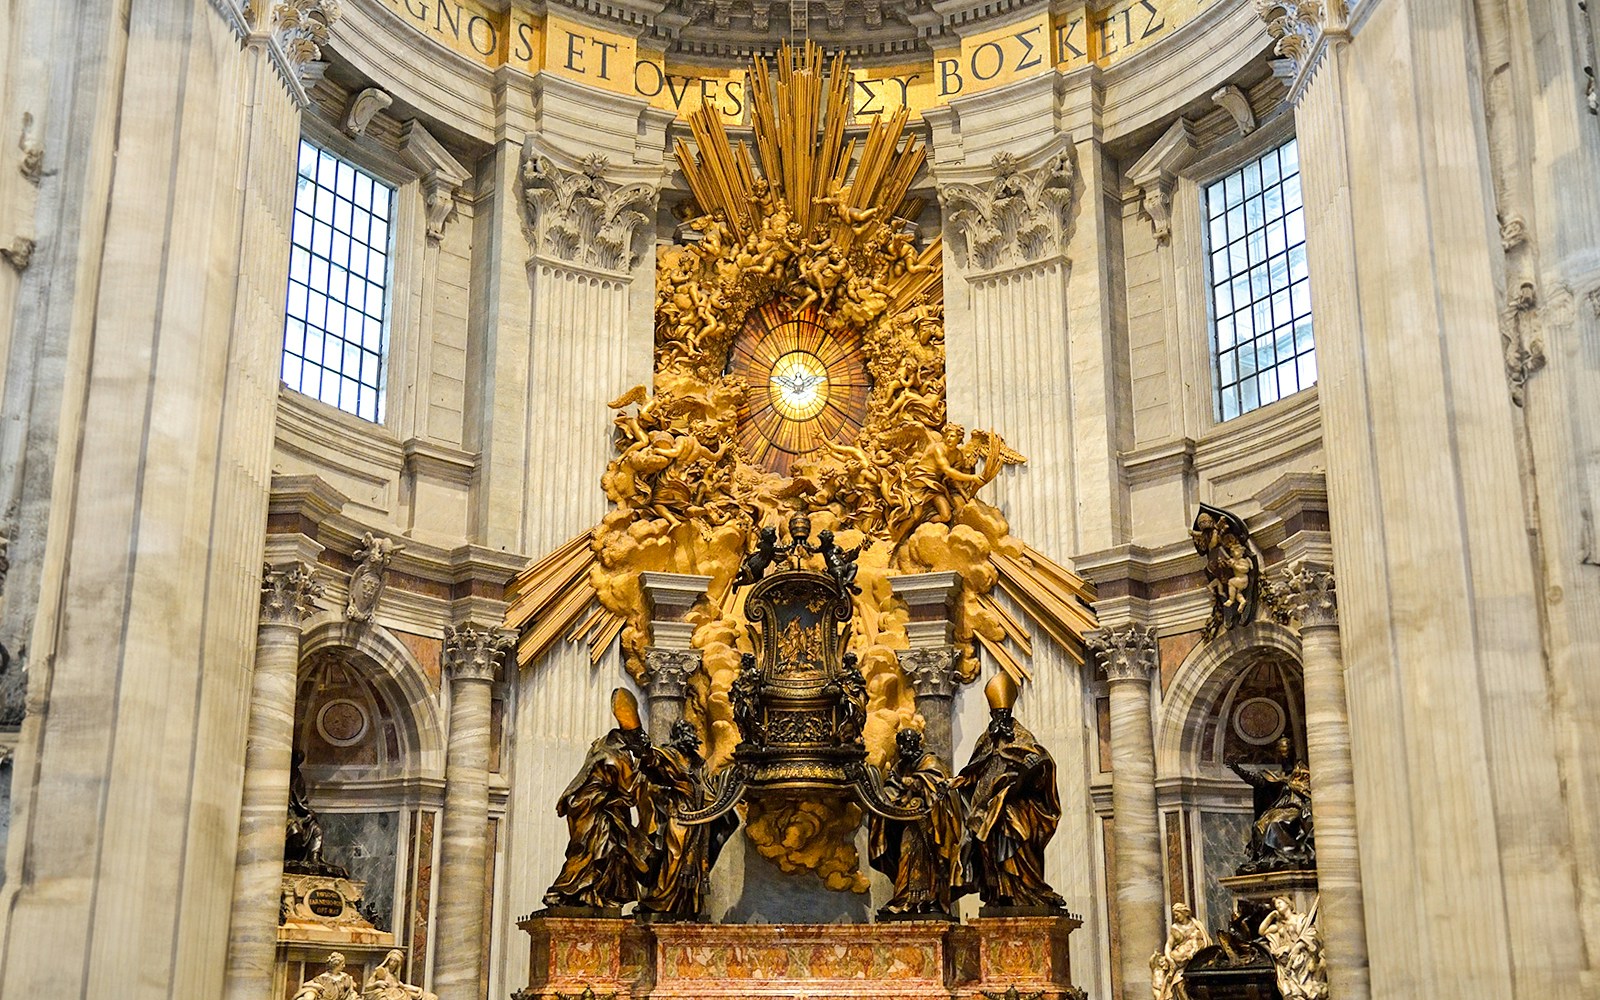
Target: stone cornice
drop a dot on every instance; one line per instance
(1155, 173)
(441, 175)
(425, 584)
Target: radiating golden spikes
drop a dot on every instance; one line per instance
(802, 148)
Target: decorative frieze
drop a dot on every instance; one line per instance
(366, 583)
(582, 217)
(287, 593)
(1125, 652)
(1308, 591)
(473, 653)
(1019, 216)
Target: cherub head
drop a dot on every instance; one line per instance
(825, 539)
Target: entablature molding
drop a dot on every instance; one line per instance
(426, 585)
(1155, 173)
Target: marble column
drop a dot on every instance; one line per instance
(931, 661)
(932, 675)
(1453, 678)
(1309, 591)
(564, 327)
(472, 657)
(666, 684)
(286, 595)
(670, 660)
(1127, 654)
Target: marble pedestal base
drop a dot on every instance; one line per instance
(1300, 886)
(995, 955)
(904, 960)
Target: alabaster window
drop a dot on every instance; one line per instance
(335, 338)
(1260, 296)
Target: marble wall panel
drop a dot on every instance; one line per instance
(367, 844)
(1223, 837)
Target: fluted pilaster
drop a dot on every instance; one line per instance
(1308, 590)
(471, 657)
(287, 592)
(1128, 655)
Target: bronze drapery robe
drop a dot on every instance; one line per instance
(923, 856)
(1013, 809)
(606, 850)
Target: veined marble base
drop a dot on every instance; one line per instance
(903, 960)
(1025, 954)
(567, 955)
(1299, 885)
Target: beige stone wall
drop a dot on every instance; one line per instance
(140, 420)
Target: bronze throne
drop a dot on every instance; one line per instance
(799, 701)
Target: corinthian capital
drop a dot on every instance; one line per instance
(1017, 215)
(1308, 592)
(472, 653)
(930, 671)
(296, 30)
(287, 592)
(582, 217)
(1125, 652)
(667, 671)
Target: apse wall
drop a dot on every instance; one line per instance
(1092, 358)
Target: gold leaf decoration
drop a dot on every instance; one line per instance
(809, 235)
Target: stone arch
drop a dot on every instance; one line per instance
(1204, 677)
(396, 674)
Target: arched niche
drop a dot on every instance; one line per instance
(364, 708)
(367, 720)
(1208, 684)
(1220, 706)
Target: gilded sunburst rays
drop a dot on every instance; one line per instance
(806, 385)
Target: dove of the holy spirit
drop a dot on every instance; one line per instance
(800, 385)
